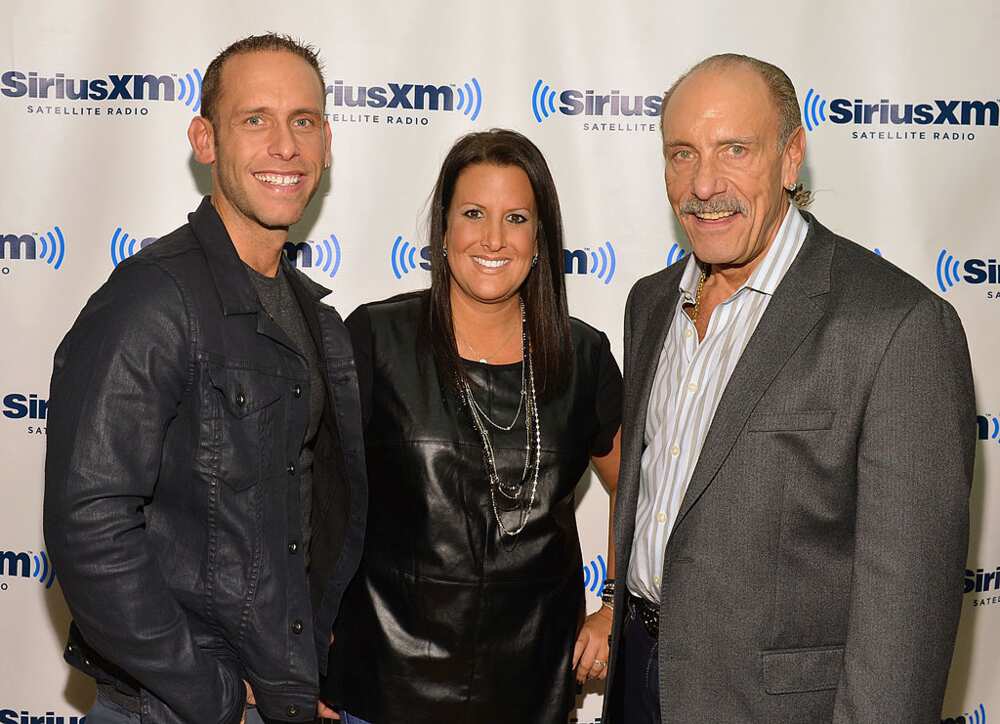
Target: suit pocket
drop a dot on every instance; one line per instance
(790, 671)
(790, 421)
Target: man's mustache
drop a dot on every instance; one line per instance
(712, 206)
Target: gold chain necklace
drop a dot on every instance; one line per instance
(697, 298)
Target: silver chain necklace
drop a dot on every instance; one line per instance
(532, 430)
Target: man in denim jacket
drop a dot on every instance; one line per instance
(205, 492)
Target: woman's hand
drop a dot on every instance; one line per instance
(590, 655)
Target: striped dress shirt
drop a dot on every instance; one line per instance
(690, 379)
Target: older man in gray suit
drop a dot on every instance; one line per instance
(797, 446)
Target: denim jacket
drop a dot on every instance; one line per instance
(177, 412)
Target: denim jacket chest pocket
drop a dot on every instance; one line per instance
(248, 423)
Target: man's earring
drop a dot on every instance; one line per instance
(444, 251)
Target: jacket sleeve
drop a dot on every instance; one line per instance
(915, 460)
(118, 379)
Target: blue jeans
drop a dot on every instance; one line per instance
(348, 719)
(105, 711)
(254, 718)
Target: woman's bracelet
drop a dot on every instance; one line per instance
(608, 593)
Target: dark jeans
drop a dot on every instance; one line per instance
(106, 711)
(636, 690)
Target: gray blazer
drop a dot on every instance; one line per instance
(814, 572)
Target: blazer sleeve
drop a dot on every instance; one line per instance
(915, 463)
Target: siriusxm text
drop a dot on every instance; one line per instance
(128, 87)
(936, 113)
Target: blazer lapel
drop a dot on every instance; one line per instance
(798, 304)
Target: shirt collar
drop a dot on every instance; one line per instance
(771, 270)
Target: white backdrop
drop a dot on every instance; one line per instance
(86, 180)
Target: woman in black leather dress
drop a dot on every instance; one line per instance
(484, 404)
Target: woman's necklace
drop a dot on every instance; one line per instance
(486, 358)
(532, 443)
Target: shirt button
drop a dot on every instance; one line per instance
(675, 451)
(297, 390)
(292, 710)
(297, 627)
(661, 517)
(293, 547)
(692, 386)
(291, 468)
(656, 580)
(688, 332)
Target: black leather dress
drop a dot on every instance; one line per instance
(447, 620)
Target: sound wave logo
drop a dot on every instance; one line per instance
(190, 90)
(606, 255)
(813, 110)
(947, 271)
(543, 100)
(675, 253)
(977, 716)
(406, 257)
(123, 246)
(324, 255)
(594, 575)
(470, 99)
(53, 247)
(43, 570)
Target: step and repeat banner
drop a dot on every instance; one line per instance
(901, 104)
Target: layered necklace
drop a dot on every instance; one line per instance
(513, 491)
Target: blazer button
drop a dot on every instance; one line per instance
(291, 468)
(293, 547)
(297, 390)
(292, 710)
(297, 627)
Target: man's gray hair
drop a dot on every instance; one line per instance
(782, 93)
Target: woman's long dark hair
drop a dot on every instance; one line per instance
(543, 291)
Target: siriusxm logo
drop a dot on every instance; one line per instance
(27, 564)
(13, 716)
(977, 716)
(982, 580)
(988, 427)
(600, 262)
(123, 246)
(323, 255)
(675, 253)
(574, 102)
(951, 271)
(934, 113)
(466, 97)
(594, 575)
(18, 407)
(404, 257)
(49, 247)
(184, 88)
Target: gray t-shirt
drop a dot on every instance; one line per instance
(279, 302)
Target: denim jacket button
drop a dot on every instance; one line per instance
(291, 468)
(293, 547)
(292, 710)
(297, 627)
